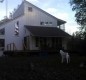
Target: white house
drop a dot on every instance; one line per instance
(31, 28)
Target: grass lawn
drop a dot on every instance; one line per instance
(44, 68)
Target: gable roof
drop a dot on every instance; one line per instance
(4, 21)
(59, 20)
(46, 31)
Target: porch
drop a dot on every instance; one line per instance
(45, 38)
(42, 43)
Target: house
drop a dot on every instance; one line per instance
(31, 28)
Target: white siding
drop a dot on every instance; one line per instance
(29, 18)
(10, 36)
(19, 11)
(36, 16)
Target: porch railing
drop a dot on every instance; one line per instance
(11, 46)
(24, 46)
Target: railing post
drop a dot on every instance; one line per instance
(11, 46)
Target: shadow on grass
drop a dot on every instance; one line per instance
(49, 68)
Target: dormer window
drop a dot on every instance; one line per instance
(30, 9)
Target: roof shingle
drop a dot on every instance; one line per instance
(47, 31)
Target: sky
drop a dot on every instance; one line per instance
(58, 8)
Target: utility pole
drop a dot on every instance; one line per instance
(6, 5)
(6, 9)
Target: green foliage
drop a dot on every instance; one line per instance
(77, 43)
(80, 7)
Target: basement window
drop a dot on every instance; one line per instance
(30, 9)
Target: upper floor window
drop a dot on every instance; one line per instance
(17, 23)
(45, 23)
(2, 31)
(30, 9)
(41, 23)
(50, 23)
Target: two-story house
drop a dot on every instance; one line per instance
(31, 28)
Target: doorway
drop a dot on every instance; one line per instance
(26, 43)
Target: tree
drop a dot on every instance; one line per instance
(80, 7)
(1, 1)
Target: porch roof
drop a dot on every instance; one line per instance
(46, 31)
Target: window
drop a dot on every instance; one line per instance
(41, 23)
(2, 31)
(50, 23)
(17, 23)
(30, 9)
(2, 42)
(37, 41)
(46, 23)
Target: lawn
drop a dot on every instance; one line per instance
(43, 68)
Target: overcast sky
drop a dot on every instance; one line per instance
(58, 8)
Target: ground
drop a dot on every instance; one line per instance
(47, 67)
